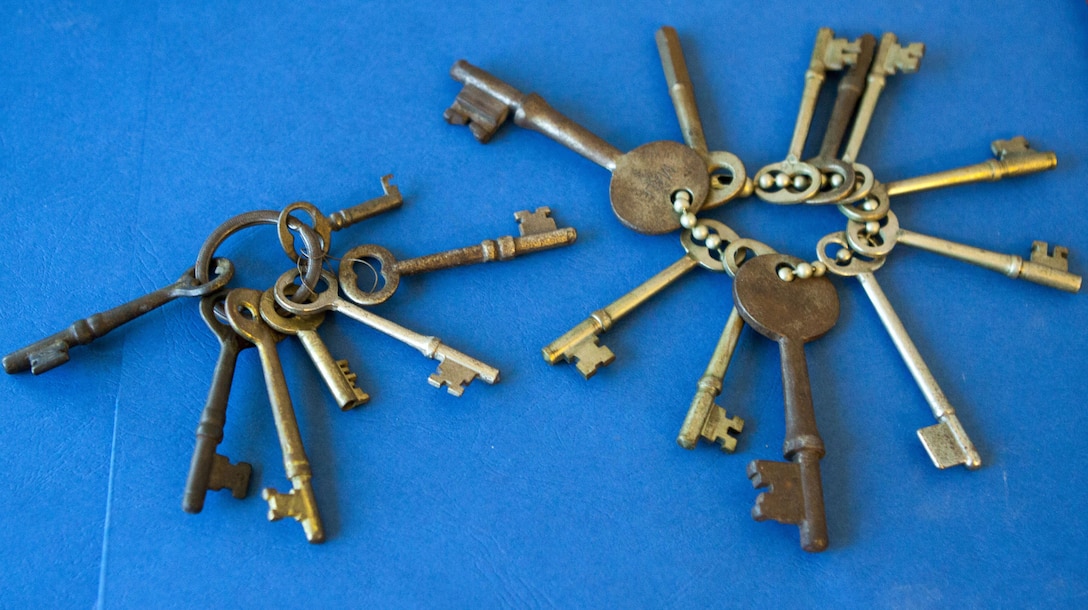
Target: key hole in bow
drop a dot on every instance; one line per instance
(721, 178)
(374, 264)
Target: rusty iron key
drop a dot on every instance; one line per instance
(790, 313)
(52, 351)
(208, 469)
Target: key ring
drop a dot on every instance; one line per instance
(259, 217)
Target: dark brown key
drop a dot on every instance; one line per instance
(791, 313)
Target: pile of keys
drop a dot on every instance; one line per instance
(242, 317)
(661, 187)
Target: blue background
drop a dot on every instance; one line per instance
(127, 133)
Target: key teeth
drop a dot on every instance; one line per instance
(234, 477)
(719, 427)
(537, 222)
(49, 358)
(1012, 146)
(588, 356)
(841, 53)
(454, 376)
(480, 111)
(909, 58)
(1058, 260)
(782, 501)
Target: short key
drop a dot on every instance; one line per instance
(243, 311)
(643, 179)
(792, 181)
(325, 225)
(208, 469)
(790, 313)
(335, 373)
(52, 351)
(946, 442)
(538, 232)
(580, 344)
(878, 238)
(455, 369)
(1014, 157)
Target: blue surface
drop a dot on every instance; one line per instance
(127, 134)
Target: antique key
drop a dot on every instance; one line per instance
(1015, 157)
(704, 418)
(208, 469)
(580, 344)
(837, 175)
(243, 312)
(52, 351)
(878, 238)
(790, 313)
(325, 225)
(538, 232)
(946, 442)
(793, 181)
(642, 179)
(335, 373)
(455, 369)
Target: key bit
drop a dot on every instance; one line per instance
(234, 477)
(947, 444)
(1015, 157)
(536, 222)
(840, 53)
(1058, 260)
(481, 111)
(361, 397)
(783, 500)
(452, 375)
(299, 505)
(588, 356)
(717, 428)
(904, 59)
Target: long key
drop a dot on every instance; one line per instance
(52, 351)
(243, 312)
(1014, 157)
(946, 442)
(793, 181)
(838, 175)
(455, 369)
(790, 313)
(208, 469)
(878, 238)
(538, 232)
(643, 180)
(704, 418)
(580, 345)
(325, 225)
(728, 178)
(891, 57)
(335, 373)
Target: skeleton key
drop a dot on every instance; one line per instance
(946, 442)
(879, 237)
(792, 181)
(790, 313)
(837, 175)
(325, 225)
(538, 232)
(728, 177)
(706, 419)
(455, 369)
(52, 351)
(643, 179)
(243, 312)
(579, 344)
(208, 469)
(335, 373)
(890, 58)
(1015, 157)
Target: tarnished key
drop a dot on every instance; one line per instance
(728, 178)
(643, 179)
(837, 175)
(243, 312)
(792, 181)
(208, 469)
(946, 442)
(538, 232)
(325, 225)
(579, 344)
(706, 419)
(891, 58)
(52, 351)
(879, 237)
(455, 369)
(335, 373)
(1015, 157)
(790, 313)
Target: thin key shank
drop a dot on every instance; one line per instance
(501, 249)
(680, 88)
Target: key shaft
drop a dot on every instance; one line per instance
(501, 249)
(680, 88)
(704, 418)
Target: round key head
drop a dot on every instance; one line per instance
(845, 262)
(875, 237)
(189, 286)
(322, 227)
(285, 287)
(219, 327)
(244, 314)
(864, 181)
(836, 180)
(786, 182)
(644, 180)
(873, 206)
(727, 178)
(283, 320)
(385, 267)
(800, 309)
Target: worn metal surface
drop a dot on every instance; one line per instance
(705, 418)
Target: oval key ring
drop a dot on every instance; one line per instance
(737, 253)
(386, 270)
(320, 301)
(853, 265)
(322, 227)
(259, 217)
(876, 244)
